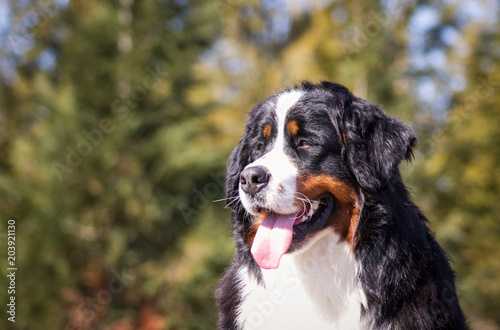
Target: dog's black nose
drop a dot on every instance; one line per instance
(253, 180)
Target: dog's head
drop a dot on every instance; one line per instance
(307, 155)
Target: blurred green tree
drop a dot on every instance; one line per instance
(459, 180)
(108, 162)
(118, 119)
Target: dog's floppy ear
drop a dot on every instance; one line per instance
(375, 144)
(235, 164)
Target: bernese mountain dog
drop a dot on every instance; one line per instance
(327, 236)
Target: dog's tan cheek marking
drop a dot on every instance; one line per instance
(266, 132)
(345, 216)
(253, 229)
(292, 127)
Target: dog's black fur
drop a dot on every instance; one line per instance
(404, 273)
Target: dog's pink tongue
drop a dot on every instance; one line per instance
(273, 239)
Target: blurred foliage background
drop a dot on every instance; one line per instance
(117, 117)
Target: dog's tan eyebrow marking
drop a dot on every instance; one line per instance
(292, 127)
(266, 132)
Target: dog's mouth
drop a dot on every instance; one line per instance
(279, 233)
(313, 217)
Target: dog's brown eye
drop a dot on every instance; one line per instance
(260, 147)
(303, 143)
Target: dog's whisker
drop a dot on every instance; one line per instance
(221, 200)
(303, 209)
(309, 200)
(230, 203)
(305, 199)
(229, 200)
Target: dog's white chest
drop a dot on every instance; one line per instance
(316, 289)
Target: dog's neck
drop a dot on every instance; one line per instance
(325, 274)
